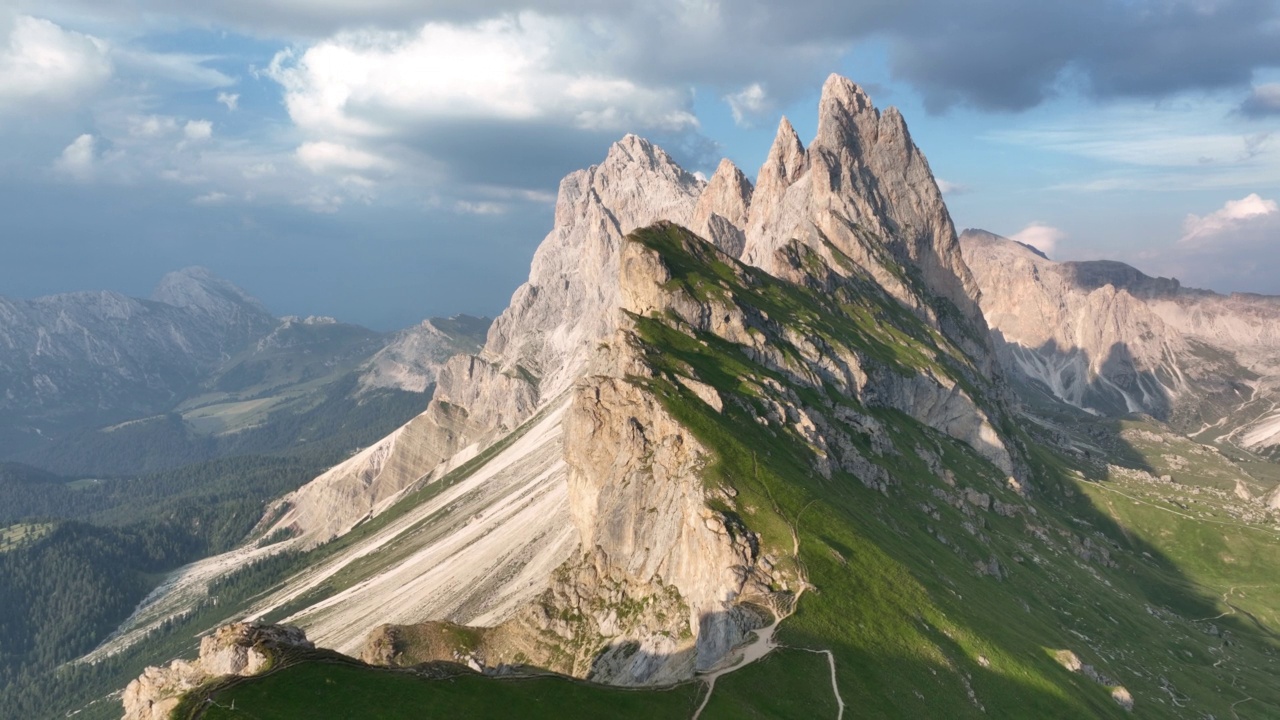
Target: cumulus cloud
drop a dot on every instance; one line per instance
(197, 130)
(78, 159)
(42, 62)
(1263, 101)
(748, 104)
(152, 126)
(1233, 217)
(1235, 248)
(1001, 54)
(946, 187)
(230, 100)
(319, 157)
(368, 83)
(1040, 236)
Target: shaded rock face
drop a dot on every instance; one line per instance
(638, 500)
(237, 649)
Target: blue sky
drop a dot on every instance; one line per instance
(388, 160)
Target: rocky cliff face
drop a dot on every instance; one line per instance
(1105, 337)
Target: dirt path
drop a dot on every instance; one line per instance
(764, 640)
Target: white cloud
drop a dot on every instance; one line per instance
(1040, 236)
(946, 187)
(497, 69)
(197, 130)
(211, 198)
(1233, 217)
(322, 156)
(1235, 248)
(479, 208)
(231, 100)
(749, 104)
(360, 87)
(148, 127)
(42, 62)
(78, 159)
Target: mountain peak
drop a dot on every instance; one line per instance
(840, 90)
(197, 288)
(785, 162)
(635, 150)
(845, 114)
(723, 208)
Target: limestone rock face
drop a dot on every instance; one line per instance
(637, 497)
(237, 649)
(1101, 349)
(862, 187)
(666, 583)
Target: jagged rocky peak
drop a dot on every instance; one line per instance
(535, 350)
(785, 162)
(721, 213)
(863, 188)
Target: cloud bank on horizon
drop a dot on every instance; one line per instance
(446, 127)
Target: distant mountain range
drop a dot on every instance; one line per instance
(1107, 338)
(201, 358)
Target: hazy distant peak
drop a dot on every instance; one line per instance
(197, 288)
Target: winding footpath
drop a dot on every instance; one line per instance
(764, 641)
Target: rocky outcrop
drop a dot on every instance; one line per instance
(237, 649)
(539, 346)
(637, 496)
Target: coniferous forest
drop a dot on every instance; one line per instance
(79, 551)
